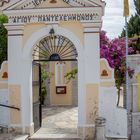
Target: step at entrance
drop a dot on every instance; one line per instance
(54, 137)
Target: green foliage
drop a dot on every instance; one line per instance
(137, 5)
(3, 19)
(136, 45)
(133, 26)
(3, 39)
(71, 75)
(134, 22)
(44, 76)
(43, 92)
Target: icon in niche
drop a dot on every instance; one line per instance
(5, 75)
(104, 73)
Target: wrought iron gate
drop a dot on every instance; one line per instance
(37, 109)
(55, 48)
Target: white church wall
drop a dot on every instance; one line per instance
(4, 96)
(4, 112)
(116, 118)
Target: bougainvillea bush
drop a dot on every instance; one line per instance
(114, 51)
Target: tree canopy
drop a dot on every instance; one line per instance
(3, 39)
(134, 22)
(137, 5)
(133, 26)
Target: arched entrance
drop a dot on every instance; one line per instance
(79, 21)
(59, 53)
(88, 85)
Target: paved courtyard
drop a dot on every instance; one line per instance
(58, 122)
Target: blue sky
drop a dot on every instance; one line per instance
(113, 21)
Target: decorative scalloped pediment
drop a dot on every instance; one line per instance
(36, 4)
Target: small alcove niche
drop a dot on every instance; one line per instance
(5, 75)
(104, 73)
(53, 1)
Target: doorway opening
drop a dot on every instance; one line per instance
(55, 87)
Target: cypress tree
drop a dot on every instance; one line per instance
(134, 22)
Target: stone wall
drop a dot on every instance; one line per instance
(4, 97)
(133, 99)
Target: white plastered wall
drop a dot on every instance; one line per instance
(116, 117)
(20, 66)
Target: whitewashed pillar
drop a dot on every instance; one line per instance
(19, 81)
(91, 79)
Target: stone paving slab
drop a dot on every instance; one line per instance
(23, 137)
(13, 137)
(58, 123)
(54, 137)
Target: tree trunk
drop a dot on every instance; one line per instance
(119, 94)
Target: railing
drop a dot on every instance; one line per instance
(12, 107)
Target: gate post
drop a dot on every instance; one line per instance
(19, 80)
(91, 80)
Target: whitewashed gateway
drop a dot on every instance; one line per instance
(79, 22)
